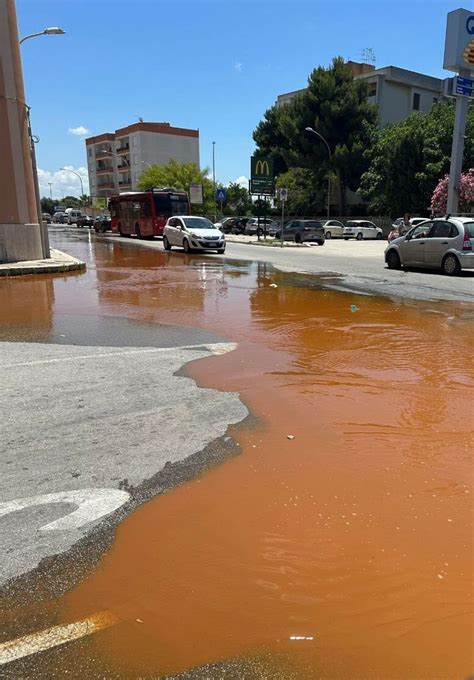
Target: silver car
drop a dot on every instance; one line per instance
(333, 228)
(445, 243)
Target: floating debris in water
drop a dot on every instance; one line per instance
(290, 436)
(301, 637)
(354, 308)
(273, 285)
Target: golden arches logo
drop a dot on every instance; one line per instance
(262, 168)
(469, 53)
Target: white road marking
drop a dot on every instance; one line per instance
(92, 504)
(53, 637)
(213, 347)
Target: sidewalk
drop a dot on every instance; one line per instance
(58, 262)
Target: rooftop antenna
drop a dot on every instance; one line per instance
(368, 56)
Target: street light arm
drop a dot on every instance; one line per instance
(77, 175)
(54, 30)
(318, 134)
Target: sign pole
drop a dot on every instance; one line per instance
(282, 220)
(462, 107)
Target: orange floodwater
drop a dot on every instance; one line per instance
(355, 533)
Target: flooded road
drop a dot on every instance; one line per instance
(338, 544)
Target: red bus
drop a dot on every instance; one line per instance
(144, 213)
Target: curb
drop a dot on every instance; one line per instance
(58, 263)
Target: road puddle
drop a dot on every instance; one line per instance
(339, 543)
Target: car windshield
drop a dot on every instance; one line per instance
(313, 225)
(198, 223)
(469, 227)
(351, 224)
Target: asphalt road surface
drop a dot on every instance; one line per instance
(346, 265)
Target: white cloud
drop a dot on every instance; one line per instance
(243, 181)
(238, 66)
(79, 131)
(63, 183)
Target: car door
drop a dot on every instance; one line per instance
(336, 228)
(441, 238)
(369, 230)
(289, 230)
(412, 249)
(173, 231)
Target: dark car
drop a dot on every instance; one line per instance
(85, 221)
(300, 231)
(102, 223)
(46, 217)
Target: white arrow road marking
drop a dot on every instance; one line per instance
(213, 347)
(52, 637)
(92, 504)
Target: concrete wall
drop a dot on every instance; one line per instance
(19, 242)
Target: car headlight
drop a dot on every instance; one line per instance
(193, 235)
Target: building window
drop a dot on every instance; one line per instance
(373, 89)
(416, 101)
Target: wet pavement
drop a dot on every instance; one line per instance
(338, 544)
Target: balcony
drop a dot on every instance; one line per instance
(106, 185)
(123, 168)
(105, 171)
(123, 149)
(104, 154)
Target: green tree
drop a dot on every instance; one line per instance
(180, 176)
(335, 104)
(408, 159)
(48, 205)
(238, 201)
(305, 195)
(270, 139)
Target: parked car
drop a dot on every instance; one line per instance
(46, 217)
(361, 229)
(102, 223)
(333, 228)
(252, 227)
(300, 231)
(232, 225)
(220, 225)
(192, 233)
(444, 243)
(59, 217)
(85, 221)
(72, 216)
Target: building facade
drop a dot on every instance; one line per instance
(396, 91)
(115, 160)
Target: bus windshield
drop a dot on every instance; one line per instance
(171, 204)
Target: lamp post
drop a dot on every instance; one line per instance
(318, 134)
(50, 190)
(77, 175)
(214, 178)
(54, 30)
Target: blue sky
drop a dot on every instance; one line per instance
(207, 64)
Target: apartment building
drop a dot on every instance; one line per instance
(115, 160)
(396, 91)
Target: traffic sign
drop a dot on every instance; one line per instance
(221, 194)
(195, 193)
(283, 194)
(463, 86)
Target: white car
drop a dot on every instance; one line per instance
(361, 229)
(333, 228)
(192, 233)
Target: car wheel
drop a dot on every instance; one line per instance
(451, 266)
(328, 234)
(120, 230)
(186, 246)
(166, 243)
(379, 236)
(392, 259)
(345, 239)
(278, 236)
(221, 251)
(320, 242)
(359, 237)
(259, 232)
(298, 238)
(138, 233)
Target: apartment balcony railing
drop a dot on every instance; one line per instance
(105, 171)
(123, 149)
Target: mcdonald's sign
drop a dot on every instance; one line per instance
(261, 176)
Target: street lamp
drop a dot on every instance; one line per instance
(50, 190)
(54, 30)
(214, 179)
(80, 179)
(318, 134)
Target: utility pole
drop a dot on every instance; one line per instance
(457, 152)
(214, 178)
(50, 190)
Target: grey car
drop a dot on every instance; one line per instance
(300, 231)
(445, 243)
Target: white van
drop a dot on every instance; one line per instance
(72, 216)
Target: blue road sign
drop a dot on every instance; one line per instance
(221, 194)
(464, 86)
